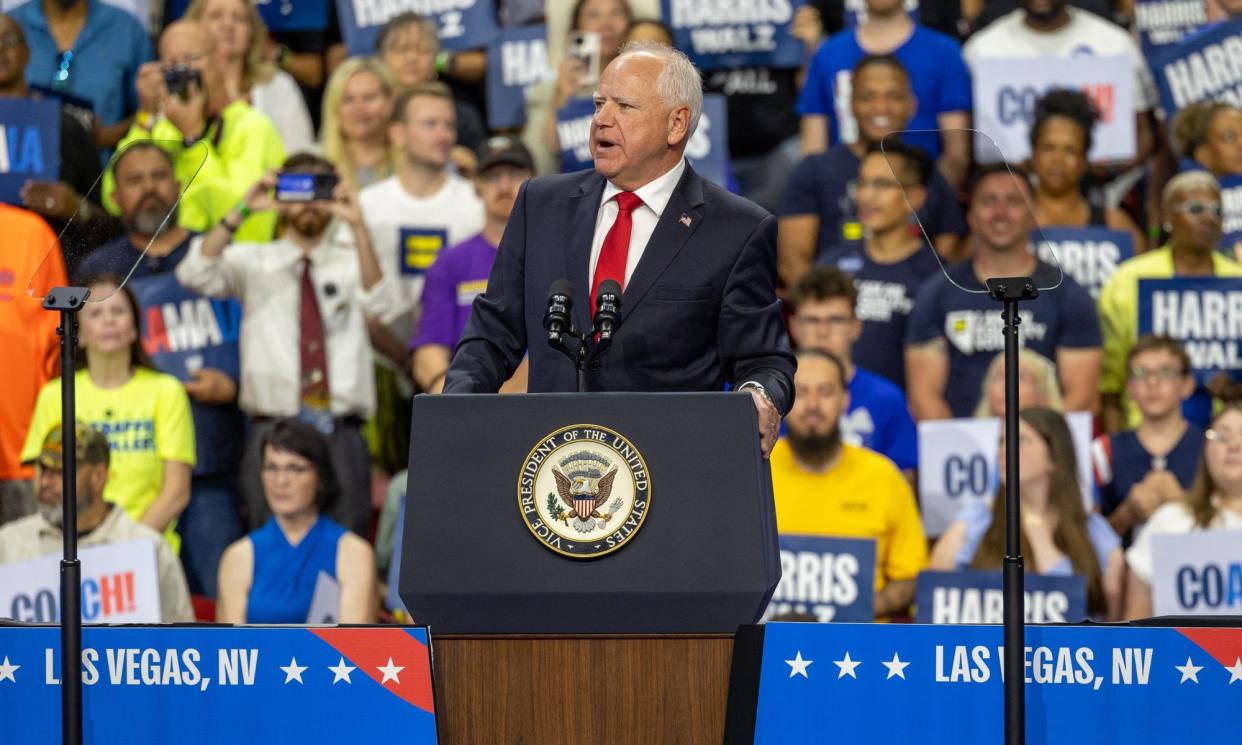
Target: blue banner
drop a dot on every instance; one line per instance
(1231, 217)
(887, 683)
(29, 144)
(517, 60)
(1204, 313)
(832, 579)
(724, 34)
(279, 15)
(461, 24)
(1200, 68)
(183, 332)
(1162, 24)
(1090, 255)
(201, 685)
(573, 130)
(975, 597)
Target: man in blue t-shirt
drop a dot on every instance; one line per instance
(818, 210)
(938, 76)
(191, 337)
(823, 318)
(956, 328)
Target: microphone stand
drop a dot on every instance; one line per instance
(67, 301)
(1011, 290)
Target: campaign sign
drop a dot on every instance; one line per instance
(461, 24)
(516, 61)
(1161, 24)
(726, 34)
(1090, 255)
(29, 144)
(119, 585)
(279, 15)
(1197, 574)
(856, 11)
(184, 332)
(1201, 68)
(958, 465)
(142, 684)
(1231, 217)
(1006, 90)
(975, 597)
(1204, 313)
(573, 131)
(942, 685)
(832, 579)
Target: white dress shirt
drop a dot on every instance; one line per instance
(655, 195)
(267, 279)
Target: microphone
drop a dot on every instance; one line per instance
(607, 309)
(560, 303)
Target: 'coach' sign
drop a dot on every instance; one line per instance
(1197, 574)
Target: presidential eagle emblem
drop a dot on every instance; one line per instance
(584, 491)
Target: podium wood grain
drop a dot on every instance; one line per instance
(581, 690)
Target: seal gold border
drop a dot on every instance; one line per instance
(557, 433)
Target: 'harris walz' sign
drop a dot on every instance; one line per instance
(1204, 67)
(832, 579)
(976, 597)
(1090, 255)
(1205, 313)
(460, 24)
(29, 144)
(721, 34)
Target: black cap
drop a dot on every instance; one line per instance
(505, 150)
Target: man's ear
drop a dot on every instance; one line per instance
(678, 125)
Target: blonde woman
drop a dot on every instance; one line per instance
(357, 104)
(1037, 384)
(241, 51)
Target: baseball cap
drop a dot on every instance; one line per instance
(91, 446)
(506, 150)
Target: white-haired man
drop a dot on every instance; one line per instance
(697, 265)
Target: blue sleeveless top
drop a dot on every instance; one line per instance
(285, 575)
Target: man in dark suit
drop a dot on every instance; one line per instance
(697, 265)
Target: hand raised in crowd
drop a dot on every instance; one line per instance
(260, 197)
(211, 386)
(569, 76)
(54, 199)
(807, 27)
(189, 113)
(150, 87)
(344, 206)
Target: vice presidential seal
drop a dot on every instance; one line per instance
(584, 491)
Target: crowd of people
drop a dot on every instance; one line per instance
(249, 358)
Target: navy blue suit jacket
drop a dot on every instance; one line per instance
(700, 309)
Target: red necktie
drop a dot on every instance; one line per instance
(312, 348)
(616, 249)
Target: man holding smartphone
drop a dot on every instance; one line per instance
(306, 298)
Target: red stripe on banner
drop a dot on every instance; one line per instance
(373, 648)
(1225, 645)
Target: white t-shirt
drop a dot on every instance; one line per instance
(282, 101)
(1085, 35)
(408, 233)
(1172, 518)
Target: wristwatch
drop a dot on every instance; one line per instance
(759, 387)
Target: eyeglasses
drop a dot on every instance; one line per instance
(292, 469)
(11, 40)
(821, 321)
(1162, 374)
(878, 183)
(64, 66)
(1199, 208)
(1223, 438)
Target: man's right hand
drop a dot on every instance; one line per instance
(259, 198)
(150, 87)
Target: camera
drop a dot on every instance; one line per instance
(177, 78)
(585, 47)
(305, 187)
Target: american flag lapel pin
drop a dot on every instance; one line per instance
(684, 219)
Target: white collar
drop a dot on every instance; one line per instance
(655, 193)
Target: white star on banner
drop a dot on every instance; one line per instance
(798, 666)
(341, 672)
(7, 669)
(847, 667)
(896, 668)
(293, 671)
(1235, 672)
(390, 672)
(1189, 671)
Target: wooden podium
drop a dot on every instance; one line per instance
(577, 689)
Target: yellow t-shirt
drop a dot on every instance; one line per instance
(147, 421)
(864, 496)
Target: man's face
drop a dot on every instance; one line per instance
(307, 218)
(410, 55)
(14, 54)
(820, 398)
(634, 134)
(146, 191)
(1043, 10)
(881, 196)
(189, 44)
(827, 325)
(498, 187)
(428, 131)
(1157, 384)
(881, 101)
(998, 214)
(49, 491)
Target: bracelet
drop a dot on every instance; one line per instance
(444, 60)
(145, 119)
(231, 228)
(244, 210)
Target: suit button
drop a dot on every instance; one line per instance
(594, 366)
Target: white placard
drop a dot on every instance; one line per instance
(957, 465)
(1006, 89)
(1197, 574)
(119, 585)
(325, 604)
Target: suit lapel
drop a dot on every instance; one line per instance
(671, 233)
(584, 209)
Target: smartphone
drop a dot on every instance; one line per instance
(305, 187)
(584, 46)
(177, 78)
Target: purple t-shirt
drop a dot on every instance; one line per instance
(458, 274)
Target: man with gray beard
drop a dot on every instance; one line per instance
(187, 335)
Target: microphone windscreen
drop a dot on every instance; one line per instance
(609, 287)
(562, 287)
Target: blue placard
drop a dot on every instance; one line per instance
(724, 34)
(573, 131)
(1204, 313)
(832, 579)
(517, 60)
(975, 597)
(934, 685)
(1201, 67)
(417, 248)
(1231, 225)
(213, 685)
(461, 24)
(279, 15)
(29, 144)
(1162, 24)
(183, 332)
(1089, 255)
